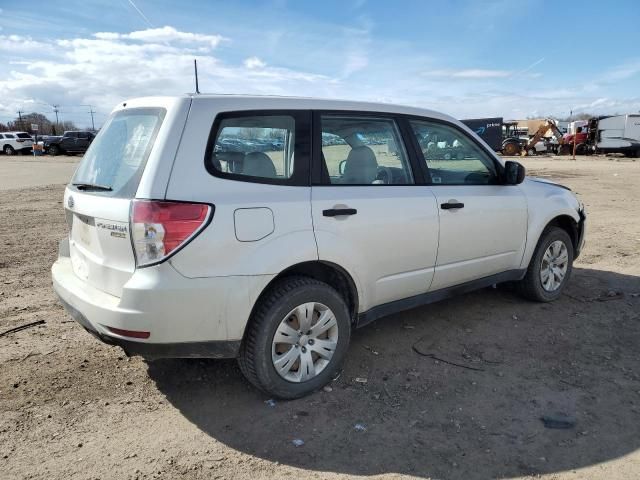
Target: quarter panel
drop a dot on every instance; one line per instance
(217, 251)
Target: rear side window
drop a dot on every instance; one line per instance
(260, 147)
(23, 135)
(117, 156)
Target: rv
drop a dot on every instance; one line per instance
(618, 134)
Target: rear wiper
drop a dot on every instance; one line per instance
(92, 186)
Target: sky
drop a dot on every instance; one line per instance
(467, 58)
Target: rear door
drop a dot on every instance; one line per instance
(82, 142)
(68, 141)
(98, 200)
(483, 223)
(370, 214)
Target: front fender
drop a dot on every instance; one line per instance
(546, 202)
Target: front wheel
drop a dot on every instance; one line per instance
(54, 150)
(297, 338)
(8, 150)
(550, 266)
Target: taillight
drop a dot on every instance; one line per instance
(159, 229)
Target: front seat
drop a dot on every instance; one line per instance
(361, 167)
(258, 164)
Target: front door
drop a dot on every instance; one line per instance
(369, 215)
(483, 223)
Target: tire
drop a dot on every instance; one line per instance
(510, 149)
(564, 150)
(581, 149)
(9, 150)
(54, 150)
(531, 286)
(276, 310)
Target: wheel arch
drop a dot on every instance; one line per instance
(327, 272)
(569, 225)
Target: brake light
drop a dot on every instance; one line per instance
(159, 229)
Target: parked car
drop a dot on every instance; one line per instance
(69, 143)
(15, 142)
(179, 249)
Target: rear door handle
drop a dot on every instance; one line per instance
(335, 212)
(451, 205)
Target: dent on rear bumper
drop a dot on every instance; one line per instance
(176, 310)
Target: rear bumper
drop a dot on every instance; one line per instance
(186, 317)
(209, 349)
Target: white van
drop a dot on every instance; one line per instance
(268, 228)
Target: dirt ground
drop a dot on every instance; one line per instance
(26, 170)
(72, 408)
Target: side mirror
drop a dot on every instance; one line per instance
(514, 173)
(341, 167)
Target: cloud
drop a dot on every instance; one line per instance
(254, 62)
(163, 35)
(469, 73)
(107, 67)
(622, 72)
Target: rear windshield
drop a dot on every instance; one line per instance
(118, 154)
(23, 135)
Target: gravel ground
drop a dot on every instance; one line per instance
(73, 408)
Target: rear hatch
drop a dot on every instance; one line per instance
(98, 199)
(24, 140)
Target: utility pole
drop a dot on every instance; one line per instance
(55, 109)
(20, 117)
(91, 111)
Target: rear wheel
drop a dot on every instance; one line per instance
(550, 266)
(510, 149)
(297, 338)
(8, 150)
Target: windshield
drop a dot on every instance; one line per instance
(117, 155)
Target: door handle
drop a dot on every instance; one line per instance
(451, 205)
(335, 212)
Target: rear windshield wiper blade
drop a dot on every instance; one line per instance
(92, 186)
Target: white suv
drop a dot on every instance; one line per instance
(15, 142)
(268, 228)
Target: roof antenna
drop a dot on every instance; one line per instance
(195, 68)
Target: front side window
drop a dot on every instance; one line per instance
(363, 151)
(452, 157)
(259, 146)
